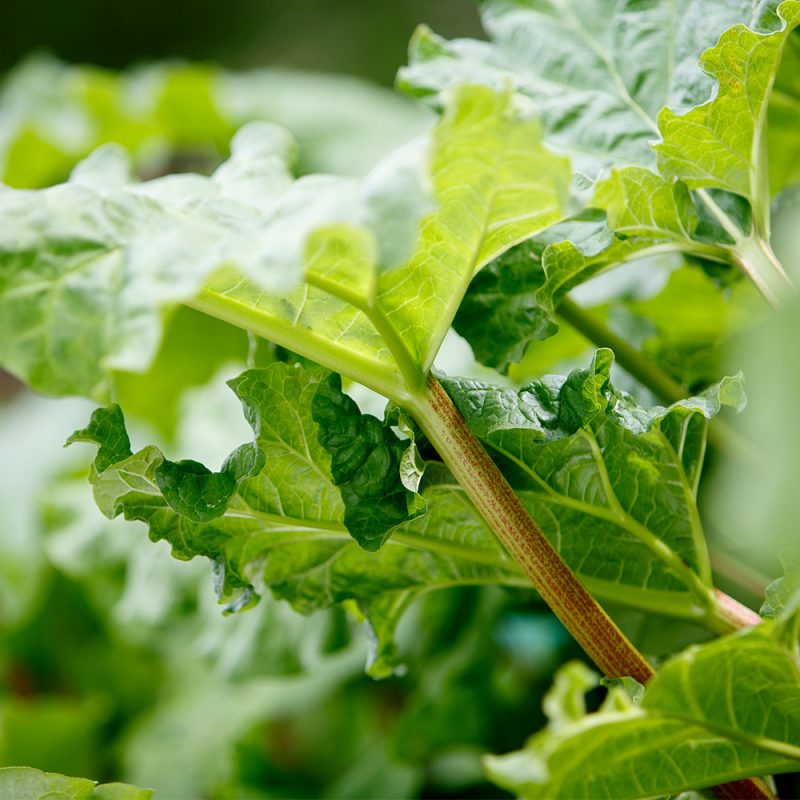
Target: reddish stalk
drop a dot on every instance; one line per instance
(558, 586)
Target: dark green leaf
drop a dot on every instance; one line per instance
(366, 460)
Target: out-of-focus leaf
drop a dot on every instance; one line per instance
(81, 297)
(52, 115)
(25, 783)
(784, 119)
(781, 591)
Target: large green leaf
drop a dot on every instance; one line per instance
(612, 484)
(723, 143)
(605, 94)
(284, 529)
(713, 714)
(86, 267)
(598, 72)
(52, 115)
(25, 783)
(81, 293)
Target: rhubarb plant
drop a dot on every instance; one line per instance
(575, 141)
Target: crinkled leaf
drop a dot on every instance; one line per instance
(284, 528)
(722, 143)
(640, 203)
(606, 90)
(106, 429)
(713, 714)
(366, 458)
(598, 72)
(26, 783)
(81, 294)
(512, 302)
(611, 484)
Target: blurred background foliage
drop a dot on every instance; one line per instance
(115, 661)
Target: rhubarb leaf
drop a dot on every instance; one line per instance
(713, 714)
(611, 484)
(641, 203)
(605, 92)
(86, 267)
(285, 528)
(81, 296)
(597, 74)
(512, 301)
(26, 783)
(723, 143)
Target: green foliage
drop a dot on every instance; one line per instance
(24, 783)
(713, 714)
(612, 484)
(657, 134)
(644, 84)
(365, 465)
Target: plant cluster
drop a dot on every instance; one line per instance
(572, 143)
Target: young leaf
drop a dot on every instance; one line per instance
(613, 485)
(26, 783)
(722, 143)
(713, 714)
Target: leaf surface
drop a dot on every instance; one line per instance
(605, 94)
(26, 783)
(598, 86)
(715, 713)
(723, 142)
(284, 529)
(81, 294)
(612, 484)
